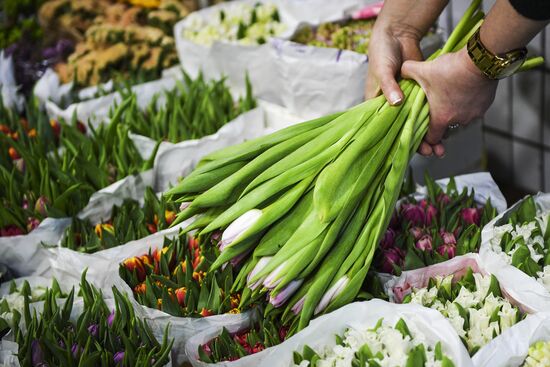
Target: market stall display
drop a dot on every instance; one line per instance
(156, 211)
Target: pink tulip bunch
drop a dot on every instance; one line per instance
(436, 228)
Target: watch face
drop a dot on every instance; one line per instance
(511, 68)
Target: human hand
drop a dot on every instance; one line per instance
(390, 46)
(457, 92)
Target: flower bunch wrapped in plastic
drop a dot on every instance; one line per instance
(524, 241)
(539, 355)
(242, 23)
(303, 209)
(439, 227)
(352, 35)
(176, 280)
(474, 305)
(128, 222)
(231, 347)
(192, 110)
(382, 345)
(13, 304)
(96, 336)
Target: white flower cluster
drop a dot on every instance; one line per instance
(539, 355)
(487, 316)
(16, 302)
(533, 236)
(242, 23)
(388, 344)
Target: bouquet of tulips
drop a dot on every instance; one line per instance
(106, 156)
(12, 305)
(33, 186)
(523, 241)
(423, 232)
(100, 335)
(303, 209)
(230, 347)
(382, 345)
(128, 222)
(473, 304)
(193, 109)
(176, 280)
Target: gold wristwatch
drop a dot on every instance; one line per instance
(494, 66)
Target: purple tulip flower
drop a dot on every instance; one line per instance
(118, 357)
(413, 214)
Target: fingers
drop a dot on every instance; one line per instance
(390, 88)
(425, 149)
(435, 133)
(387, 84)
(439, 150)
(428, 150)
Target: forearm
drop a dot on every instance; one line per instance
(410, 18)
(504, 29)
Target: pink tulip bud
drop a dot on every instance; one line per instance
(423, 203)
(391, 257)
(416, 232)
(431, 214)
(413, 214)
(447, 250)
(41, 206)
(443, 199)
(20, 165)
(448, 238)
(425, 243)
(470, 216)
(32, 223)
(283, 296)
(388, 240)
(297, 308)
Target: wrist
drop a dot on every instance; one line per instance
(471, 69)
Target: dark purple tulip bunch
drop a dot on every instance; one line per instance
(439, 227)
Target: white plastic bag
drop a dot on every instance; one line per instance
(321, 332)
(521, 285)
(10, 96)
(25, 255)
(8, 349)
(398, 287)
(511, 347)
(96, 110)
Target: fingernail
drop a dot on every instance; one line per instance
(395, 98)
